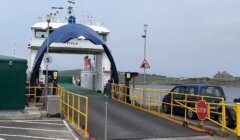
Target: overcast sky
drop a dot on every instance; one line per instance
(186, 38)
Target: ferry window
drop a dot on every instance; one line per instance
(40, 34)
(104, 36)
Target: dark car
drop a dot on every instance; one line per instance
(202, 90)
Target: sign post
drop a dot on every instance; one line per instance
(145, 51)
(145, 65)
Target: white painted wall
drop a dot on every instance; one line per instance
(98, 67)
(106, 65)
(102, 68)
(88, 80)
(33, 54)
(106, 70)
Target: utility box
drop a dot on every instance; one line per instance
(53, 105)
(88, 80)
(12, 82)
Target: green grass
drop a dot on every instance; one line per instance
(75, 73)
(150, 78)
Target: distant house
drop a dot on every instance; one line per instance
(223, 76)
(183, 78)
(193, 80)
(121, 73)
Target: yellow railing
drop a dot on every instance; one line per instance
(151, 100)
(73, 106)
(31, 94)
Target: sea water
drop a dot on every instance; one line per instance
(230, 92)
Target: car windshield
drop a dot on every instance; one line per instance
(212, 91)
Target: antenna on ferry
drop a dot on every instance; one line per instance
(69, 1)
(90, 19)
(55, 12)
(70, 7)
(13, 50)
(58, 8)
(71, 18)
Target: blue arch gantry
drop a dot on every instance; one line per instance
(66, 33)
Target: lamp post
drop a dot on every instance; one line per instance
(145, 27)
(46, 76)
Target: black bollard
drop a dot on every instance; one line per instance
(128, 77)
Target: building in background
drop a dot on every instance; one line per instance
(223, 76)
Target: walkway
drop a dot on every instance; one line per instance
(46, 129)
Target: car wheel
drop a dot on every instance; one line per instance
(190, 114)
(165, 108)
(219, 119)
(228, 121)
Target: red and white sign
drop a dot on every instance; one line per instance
(145, 64)
(202, 110)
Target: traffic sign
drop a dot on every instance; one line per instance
(48, 59)
(145, 64)
(202, 110)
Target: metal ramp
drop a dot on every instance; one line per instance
(125, 122)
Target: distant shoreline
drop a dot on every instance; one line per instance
(154, 79)
(233, 86)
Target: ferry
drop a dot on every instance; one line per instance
(97, 68)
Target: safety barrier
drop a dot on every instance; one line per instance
(219, 113)
(73, 106)
(32, 95)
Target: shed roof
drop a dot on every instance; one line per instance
(9, 58)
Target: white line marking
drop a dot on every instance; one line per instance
(60, 131)
(32, 120)
(37, 122)
(34, 137)
(70, 130)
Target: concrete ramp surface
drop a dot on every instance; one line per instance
(125, 122)
(45, 129)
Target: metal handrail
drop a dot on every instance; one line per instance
(70, 108)
(152, 103)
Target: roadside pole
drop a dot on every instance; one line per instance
(144, 64)
(46, 74)
(145, 51)
(106, 117)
